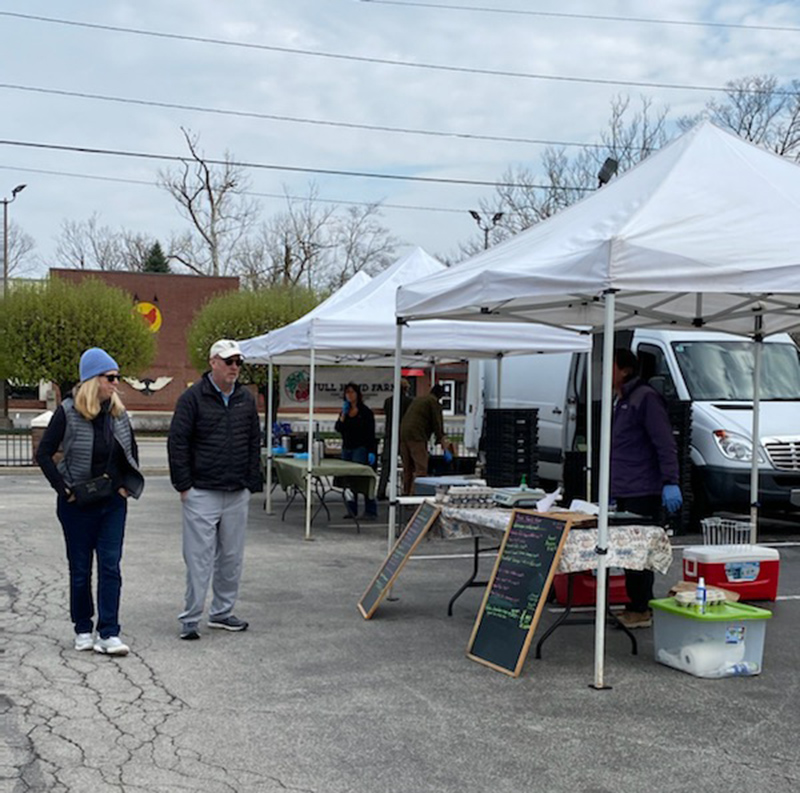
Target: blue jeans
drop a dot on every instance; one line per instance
(359, 455)
(94, 530)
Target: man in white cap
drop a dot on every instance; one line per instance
(214, 464)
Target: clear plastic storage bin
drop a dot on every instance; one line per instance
(726, 641)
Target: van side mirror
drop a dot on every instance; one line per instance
(663, 384)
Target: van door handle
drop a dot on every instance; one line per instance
(557, 411)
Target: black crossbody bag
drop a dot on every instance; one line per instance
(96, 489)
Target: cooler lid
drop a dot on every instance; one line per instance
(722, 612)
(715, 554)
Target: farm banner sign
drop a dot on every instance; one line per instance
(376, 385)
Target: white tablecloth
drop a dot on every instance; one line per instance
(633, 547)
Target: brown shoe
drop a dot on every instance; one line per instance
(636, 619)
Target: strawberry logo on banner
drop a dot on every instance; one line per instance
(297, 386)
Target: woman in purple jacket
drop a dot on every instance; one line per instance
(644, 468)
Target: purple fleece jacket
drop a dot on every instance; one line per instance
(644, 455)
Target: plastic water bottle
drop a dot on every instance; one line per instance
(700, 595)
(742, 669)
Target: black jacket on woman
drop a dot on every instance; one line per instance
(358, 430)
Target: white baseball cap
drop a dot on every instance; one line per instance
(225, 348)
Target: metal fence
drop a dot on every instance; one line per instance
(16, 448)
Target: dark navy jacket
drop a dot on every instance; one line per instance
(644, 455)
(211, 446)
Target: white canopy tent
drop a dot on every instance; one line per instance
(252, 349)
(362, 330)
(702, 234)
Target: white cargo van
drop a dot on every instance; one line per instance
(712, 371)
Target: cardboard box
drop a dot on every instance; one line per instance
(691, 586)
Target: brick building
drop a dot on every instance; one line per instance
(168, 303)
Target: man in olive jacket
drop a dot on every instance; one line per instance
(214, 464)
(422, 419)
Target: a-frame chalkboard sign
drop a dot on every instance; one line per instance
(411, 537)
(517, 590)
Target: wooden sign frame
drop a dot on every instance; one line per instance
(423, 518)
(516, 559)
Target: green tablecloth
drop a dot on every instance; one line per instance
(358, 478)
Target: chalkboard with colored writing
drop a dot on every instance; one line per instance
(412, 535)
(517, 590)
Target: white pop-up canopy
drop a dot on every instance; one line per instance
(362, 330)
(702, 234)
(255, 350)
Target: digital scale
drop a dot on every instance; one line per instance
(518, 496)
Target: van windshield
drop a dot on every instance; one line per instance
(723, 370)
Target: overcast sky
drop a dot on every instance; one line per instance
(40, 54)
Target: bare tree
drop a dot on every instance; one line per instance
(212, 198)
(20, 245)
(315, 246)
(759, 110)
(360, 243)
(525, 197)
(88, 245)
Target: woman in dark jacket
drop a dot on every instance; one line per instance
(99, 470)
(357, 427)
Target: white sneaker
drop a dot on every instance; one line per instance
(84, 641)
(111, 646)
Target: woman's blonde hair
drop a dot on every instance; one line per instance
(87, 399)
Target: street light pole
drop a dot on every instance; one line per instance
(486, 227)
(6, 201)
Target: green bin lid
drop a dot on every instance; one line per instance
(719, 612)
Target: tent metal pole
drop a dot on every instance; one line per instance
(605, 492)
(310, 462)
(758, 340)
(589, 422)
(395, 446)
(500, 380)
(268, 503)
(433, 372)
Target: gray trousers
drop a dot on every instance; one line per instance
(214, 526)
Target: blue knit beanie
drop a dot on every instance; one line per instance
(94, 362)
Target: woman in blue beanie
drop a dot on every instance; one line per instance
(99, 470)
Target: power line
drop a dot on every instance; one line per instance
(292, 119)
(317, 200)
(269, 166)
(380, 61)
(604, 18)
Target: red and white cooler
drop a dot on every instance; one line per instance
(584, 587)
(749, 570)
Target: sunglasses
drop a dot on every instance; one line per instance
(112, 378)
(232, 361)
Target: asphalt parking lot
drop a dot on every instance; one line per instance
(315, 698)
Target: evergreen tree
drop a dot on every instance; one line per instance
(156, 262)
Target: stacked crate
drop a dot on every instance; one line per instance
(511, 438)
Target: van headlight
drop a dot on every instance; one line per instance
(735, 447)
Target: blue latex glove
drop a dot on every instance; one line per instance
(448, 456)
(671, 498)
(371, 458)
(345, 407)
